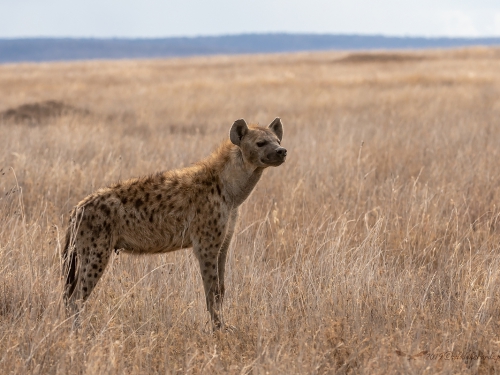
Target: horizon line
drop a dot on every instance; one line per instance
(381, 35)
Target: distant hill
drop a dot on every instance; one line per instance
(57, 49)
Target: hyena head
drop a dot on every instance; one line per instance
(260, 147)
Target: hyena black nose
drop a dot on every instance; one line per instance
(281, 151)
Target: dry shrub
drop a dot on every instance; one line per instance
(39, 113)
(373, 249)
(374, 57)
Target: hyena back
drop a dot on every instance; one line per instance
(192, 207)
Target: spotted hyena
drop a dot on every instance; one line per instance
(192, 207)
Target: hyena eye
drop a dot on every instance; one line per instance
(261, 143)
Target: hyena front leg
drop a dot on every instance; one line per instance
(213, 282)
(207, 256)
(221, 259)
(212, 259)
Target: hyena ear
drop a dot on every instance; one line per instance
(277, 127)
(238, 131)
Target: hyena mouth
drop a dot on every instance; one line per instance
(273, 163)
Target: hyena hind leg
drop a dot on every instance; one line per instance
(84, 266)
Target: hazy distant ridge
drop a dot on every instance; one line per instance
(56, 49)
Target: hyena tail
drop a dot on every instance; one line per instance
(69, 267)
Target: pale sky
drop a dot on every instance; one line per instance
(163, 18)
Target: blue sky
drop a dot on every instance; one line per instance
(162, 18)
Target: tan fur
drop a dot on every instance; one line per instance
(192, 207)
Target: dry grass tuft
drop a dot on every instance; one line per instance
(373, 249)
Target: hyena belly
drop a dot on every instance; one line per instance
(165, 234)
(158, 228)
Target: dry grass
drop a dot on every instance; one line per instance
(376, 242)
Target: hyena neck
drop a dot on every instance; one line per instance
(238, 178)
(240, 181)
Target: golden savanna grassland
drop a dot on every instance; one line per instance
(374, 249)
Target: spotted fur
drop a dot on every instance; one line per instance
(192, 207)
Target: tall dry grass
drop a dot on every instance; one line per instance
(374, 249)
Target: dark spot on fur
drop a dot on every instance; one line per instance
(146, 198)
(95, 275)
(81, 233)
(94, 266)
(97, 230)
(85, 289)
(138, 203)
(128, 222)
(198, 211)
(158, 197)
(105, 209)
(218, 189)
(212, 191)
(208, 264)
(151, 217)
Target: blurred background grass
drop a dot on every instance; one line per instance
(376, 240)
